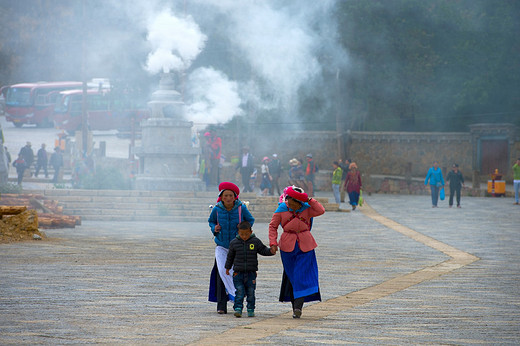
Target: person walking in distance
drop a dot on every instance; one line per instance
(456, 180)
(353, 185)
(41, 161)
(516, 179)
(20, 166)
(344, 167)
(336, 181)
(310, 172)
(246, 167)
(434, 176)
(275, 168)
(265, 185)
(28, 156)
(56, 162)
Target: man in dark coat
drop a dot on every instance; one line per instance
(28, 156)
(344, 171)
(56, 163)
(246, 166)
(41, 161)
(456, 182)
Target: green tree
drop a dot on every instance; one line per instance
(431, 65)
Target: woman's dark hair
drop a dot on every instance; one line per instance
(335, 163)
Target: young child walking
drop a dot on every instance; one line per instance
(242, 256)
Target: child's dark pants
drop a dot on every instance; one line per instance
(245, 284)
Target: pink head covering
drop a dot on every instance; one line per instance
(298, 194)
(294, 192)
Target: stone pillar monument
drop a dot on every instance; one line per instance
(167, 158)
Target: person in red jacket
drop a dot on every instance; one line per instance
(353, 185)
(300, 275)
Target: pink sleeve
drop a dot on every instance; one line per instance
(273, 229)
(316, 208)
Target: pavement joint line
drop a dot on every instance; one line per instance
(250, 333)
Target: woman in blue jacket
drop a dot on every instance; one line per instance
(436, 182)
(223, 222)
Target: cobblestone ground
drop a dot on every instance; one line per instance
(142, 283)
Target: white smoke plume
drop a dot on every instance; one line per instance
(211, 97)
(283, 44)
(175, 41)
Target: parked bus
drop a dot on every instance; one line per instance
(105, 111)
(33, 103)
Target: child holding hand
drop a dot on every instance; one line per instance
(243, 257)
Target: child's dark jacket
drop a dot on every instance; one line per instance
(242, 255)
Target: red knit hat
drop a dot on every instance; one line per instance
(226, 185)
(295, 193)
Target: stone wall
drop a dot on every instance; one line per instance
(391, 153)
(412, 153)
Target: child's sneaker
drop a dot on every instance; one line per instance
(238, 313)
(250, 313)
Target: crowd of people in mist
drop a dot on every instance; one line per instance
(265, 176)
(27, 161)
(299, 172)
(28, 164)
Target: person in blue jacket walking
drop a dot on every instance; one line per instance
(223, 222)
(436, 182)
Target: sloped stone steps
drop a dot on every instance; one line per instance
(167, 206)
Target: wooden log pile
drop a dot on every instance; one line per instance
(50, 214)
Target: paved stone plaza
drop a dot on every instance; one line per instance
(400, 273)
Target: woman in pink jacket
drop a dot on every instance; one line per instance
(300, 275)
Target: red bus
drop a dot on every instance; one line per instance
(33, 103)
(104, 111)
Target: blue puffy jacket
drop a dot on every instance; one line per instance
(435, 177)
(228, 220)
